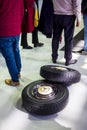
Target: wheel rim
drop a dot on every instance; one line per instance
(59, 68)
(44, 91)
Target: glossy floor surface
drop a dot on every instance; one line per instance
(14, 117)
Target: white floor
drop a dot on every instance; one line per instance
(14, 117)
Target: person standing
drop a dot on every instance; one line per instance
(65, 14)
(46, 19)
(84, 12)
(11, 16)
(28, 26)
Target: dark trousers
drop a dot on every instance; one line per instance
(61, 22)
(24, 42)
(35, 36)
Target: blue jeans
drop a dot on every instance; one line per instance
(85, 31)
(9, 47)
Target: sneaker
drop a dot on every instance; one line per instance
(38, 44)
(72, 61)
(84, 52)
(11, 83)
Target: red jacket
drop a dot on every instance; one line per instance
(11, 15)
(28, 19)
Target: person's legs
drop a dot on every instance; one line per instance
(85, 31)
(17, 53)
(35, 36)
(68, 34)
(57, 30)
(24, 39)
(6, 46)
(35, 40)
(24, 42)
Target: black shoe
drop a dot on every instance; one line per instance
(54, 60)
(81, 51)
(27, 47)
(72, 61)
(84, 52)
(38, 44)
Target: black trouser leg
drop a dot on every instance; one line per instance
(68, 34)
(35, 36)
(24, 40)
(55, 45)
(57, 30)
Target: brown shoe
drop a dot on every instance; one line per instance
(11, 83)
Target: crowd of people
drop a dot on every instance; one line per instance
(54, 16)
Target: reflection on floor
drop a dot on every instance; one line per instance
(14, 117)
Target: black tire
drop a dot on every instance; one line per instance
(44, 104)
(60, 74)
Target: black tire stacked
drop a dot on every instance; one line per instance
(60, 74)
(49, 96)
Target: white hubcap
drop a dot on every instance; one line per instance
(44, 90)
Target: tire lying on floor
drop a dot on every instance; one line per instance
(44, 98)
(60, 74)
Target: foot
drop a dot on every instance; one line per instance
(54, 61)
(84, 52)
(27, 47)
(38, 44)
(72, 61)
(81, 51)
(11, 82)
